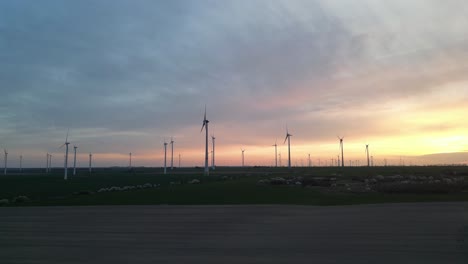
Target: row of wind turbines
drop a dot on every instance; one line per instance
(205, 124)
(5, 160)
(66, 143)
(172, 155)
(287, 138)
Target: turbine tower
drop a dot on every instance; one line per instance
(341, 147)
(205, 126)
(276, 155)
(242, 157)
(172, 154)
(90, 164)
(65, 177)
(6, 160)
(165, 152)
(74, 161)
(288, 138)
(47, 163)
(367, 151)
(130, 161)
(213, 155)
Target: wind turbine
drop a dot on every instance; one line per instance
(65, 177)
(47, 163)
(130, 161)
(213, 155)
(276, 156)
(6, 160)
(90, 164)
(172, 154)
(242, 157)
(288, 138)
(341, 146)
(165, 152)
(310, 163)
(179, 160)
(367, 151)
(74, 161)
(279, 157)
(205, 126)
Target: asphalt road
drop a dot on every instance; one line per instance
(391, 233)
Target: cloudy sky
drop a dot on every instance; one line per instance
(125, 75)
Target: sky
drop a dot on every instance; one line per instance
(125, 76)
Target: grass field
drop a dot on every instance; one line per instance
(228, 186)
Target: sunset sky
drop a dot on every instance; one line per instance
(124, 76)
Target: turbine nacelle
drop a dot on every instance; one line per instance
(205, 121)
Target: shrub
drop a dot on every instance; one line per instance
(20, 199)
(4, 202)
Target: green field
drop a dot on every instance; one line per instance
(229, 186)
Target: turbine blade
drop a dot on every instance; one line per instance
(202, 126)
(66, 138)
(204, 118)
(286, 138)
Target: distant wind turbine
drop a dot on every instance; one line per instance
(172, 154)
(90, 162)
(6, 162)
(74, 161)
(242, 157)
(279, 157)
(66, 156)
(276, 156)
(130, 161)
(288, 138)
(179, 160)
(310, 162)
(205, 126)
(213, 151)
(47, 163)
(165, 151)
(367, 152)
(341, 146)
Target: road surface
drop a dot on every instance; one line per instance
(384, 233)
